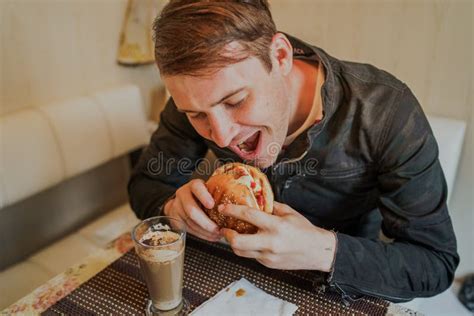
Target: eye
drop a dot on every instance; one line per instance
(236, 104)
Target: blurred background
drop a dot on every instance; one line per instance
(52, 51)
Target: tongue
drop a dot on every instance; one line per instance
(251, 142)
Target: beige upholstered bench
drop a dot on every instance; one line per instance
(62, 166)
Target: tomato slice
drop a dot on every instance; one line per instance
(260, 199)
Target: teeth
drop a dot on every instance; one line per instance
(243, 147)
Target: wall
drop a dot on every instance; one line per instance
(52, 50)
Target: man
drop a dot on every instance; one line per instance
(346, 147)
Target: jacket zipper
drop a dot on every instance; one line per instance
(348, 299)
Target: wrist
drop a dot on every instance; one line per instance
(327, 250)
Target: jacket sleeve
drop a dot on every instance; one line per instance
(422, 258)
(166, 164)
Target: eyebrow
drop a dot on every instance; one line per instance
(228, 95)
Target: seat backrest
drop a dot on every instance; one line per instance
(449, 134)
(43, 146)
(30, 156)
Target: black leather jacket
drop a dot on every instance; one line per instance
(370, 164)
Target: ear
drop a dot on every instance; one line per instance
(281, 53)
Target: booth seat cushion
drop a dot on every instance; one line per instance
(127, 126)
(82, 134)
(30, 156)
(110, 226)
(64, 253)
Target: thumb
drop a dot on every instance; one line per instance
(227, 233)
(280, 209)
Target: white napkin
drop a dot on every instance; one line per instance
(243, 298)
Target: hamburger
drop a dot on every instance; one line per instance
(240, 184)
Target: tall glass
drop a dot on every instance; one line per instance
(159, 244)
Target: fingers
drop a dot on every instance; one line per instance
(240, 242)
(247, 254)
(194, 212)
(244, 246)
(265, 258)
(198, 231)
(201, 233)
(246, 242)
(250, 215)
(281, 209)
(192, 209)
(199, 190)
(186, 207)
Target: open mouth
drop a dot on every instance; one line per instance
(250, 148)
(250, 144)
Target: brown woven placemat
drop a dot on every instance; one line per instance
(208, 268)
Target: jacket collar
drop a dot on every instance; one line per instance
(302, 50)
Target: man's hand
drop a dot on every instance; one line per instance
(186, 207)
(285, 240)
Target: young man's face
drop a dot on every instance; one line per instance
(242, 107)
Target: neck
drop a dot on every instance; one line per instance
(303, 81)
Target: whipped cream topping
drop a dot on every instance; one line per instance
(159, 235)
(160, 238)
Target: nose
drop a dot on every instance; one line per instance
(221, 128)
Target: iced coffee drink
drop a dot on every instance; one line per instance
(160, 244)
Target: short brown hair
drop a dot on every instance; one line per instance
(191, 35)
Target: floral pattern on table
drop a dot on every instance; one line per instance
(61, 285)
